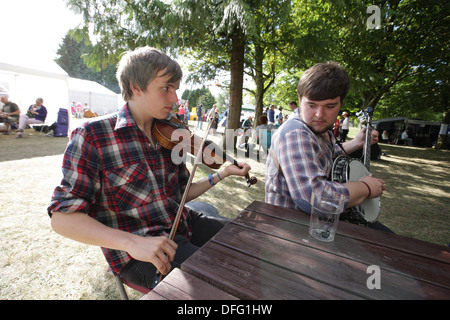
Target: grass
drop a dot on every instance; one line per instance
(36, 263)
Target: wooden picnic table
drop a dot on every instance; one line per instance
(267, 253)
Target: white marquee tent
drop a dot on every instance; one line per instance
(25, 78)
(100, 100)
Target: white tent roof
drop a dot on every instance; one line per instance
(100, 99)
(88, 86)
(29, 64)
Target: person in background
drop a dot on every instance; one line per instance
(271, 114)
(187, 115)
(36, 114)
(279, 116)
(406, 138)
(336, 128)
(73, 108)
(79, 110)
(213, 114)
(261, 130)
(293, 105)
(344, 124)
(200, 115)
(181, 113)
(10, 112)
(385, 136)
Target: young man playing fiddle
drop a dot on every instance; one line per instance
(121, 190)
(304, 147)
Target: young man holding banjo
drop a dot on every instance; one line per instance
(304, 148)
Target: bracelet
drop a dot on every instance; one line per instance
(211, 180)
(370, 191)
(219, 176)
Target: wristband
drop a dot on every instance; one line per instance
(211, 180)
(370, 191)
(218, 175)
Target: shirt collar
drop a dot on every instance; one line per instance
(124, 118)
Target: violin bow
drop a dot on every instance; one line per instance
(188, 186)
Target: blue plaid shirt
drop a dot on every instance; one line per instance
(112, 173)
(301, 161)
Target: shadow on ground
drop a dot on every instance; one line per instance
(31, 145)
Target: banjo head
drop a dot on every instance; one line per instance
(346, 169)
(370, 209)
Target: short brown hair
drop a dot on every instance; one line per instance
(263, 119)
(139, 67)
(324, 81)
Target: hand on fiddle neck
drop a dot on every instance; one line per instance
(232, 170)
(199, 187)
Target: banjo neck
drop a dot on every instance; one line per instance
(364, 116)
(347, 169)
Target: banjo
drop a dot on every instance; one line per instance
(348, 169)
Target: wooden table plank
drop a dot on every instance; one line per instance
(179, 285)
(323, 265)
(249, 278)
(267, 253)
(410, 245)
(366, 252)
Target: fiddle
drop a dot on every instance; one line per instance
(212, 155)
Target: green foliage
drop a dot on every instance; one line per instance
(70, 57)
(223, 101)
(400, 67)
(386, 62)
(199, 96)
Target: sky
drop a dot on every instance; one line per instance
(36, 26)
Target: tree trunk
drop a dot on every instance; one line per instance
(236, 85)
(259, 81)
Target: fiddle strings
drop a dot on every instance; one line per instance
(186, 191)
(191, 177)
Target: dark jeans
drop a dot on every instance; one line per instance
(379, 226)
(344, 135)
(203, 228)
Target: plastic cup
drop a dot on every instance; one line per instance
(324, 217)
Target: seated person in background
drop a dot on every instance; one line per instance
(10, 112)
(385, 136)
(243, 140)
(304, 147)
(121, 189)
(247, 124)
(406, 138)
(259, 131)
(36, 114)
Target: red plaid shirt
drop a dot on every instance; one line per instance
(112, 173)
